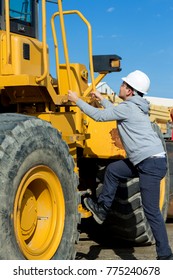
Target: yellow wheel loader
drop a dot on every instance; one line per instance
(51, 154)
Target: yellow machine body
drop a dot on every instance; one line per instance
(18, 64)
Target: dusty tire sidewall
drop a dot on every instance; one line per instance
(36, 148)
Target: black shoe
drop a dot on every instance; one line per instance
(170, 257)
(98, 211)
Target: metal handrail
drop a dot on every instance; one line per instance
(45, 58)
(61, 13)
(8, 42)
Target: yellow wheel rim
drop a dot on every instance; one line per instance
(39, 213)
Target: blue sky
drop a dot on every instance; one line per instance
(140, 31)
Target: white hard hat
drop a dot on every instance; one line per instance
(138, 80)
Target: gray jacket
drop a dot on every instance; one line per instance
(137, 135)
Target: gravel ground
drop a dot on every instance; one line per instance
(94, 246)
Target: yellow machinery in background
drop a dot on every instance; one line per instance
(50, 152)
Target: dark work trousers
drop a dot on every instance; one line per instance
(150, 172)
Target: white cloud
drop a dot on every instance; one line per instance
(114, 36)
(110, 10)
(100, 36)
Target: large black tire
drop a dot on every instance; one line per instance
(38, 191)
(127, 219)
